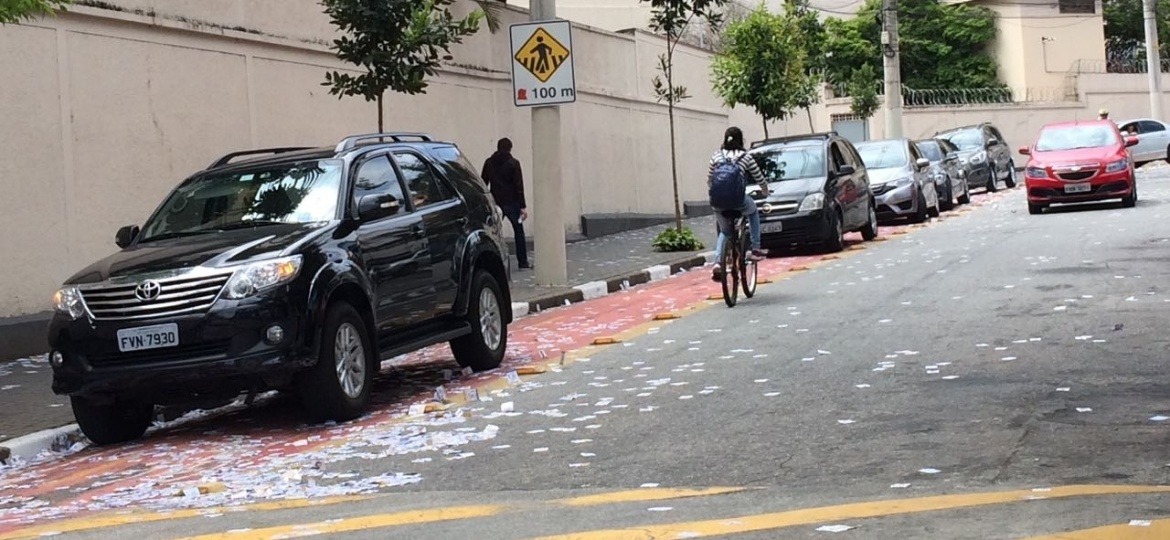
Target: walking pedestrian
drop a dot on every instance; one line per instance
(502, 173)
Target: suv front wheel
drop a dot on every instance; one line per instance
(113, 422)
(338, 386)
(483, 349)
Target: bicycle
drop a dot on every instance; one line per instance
(739, 270)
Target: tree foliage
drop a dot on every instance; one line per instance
(941, 45)
(863, 91)
(399, 44)
(1125, 31)
(14, 11)
(762, 65)
(670, 18)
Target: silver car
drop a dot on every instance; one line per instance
(900, 179)
(1153, 139)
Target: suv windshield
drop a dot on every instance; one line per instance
(966, 139)
(930, 150)
(787, 162)
(1072, 137)
(883, 155)
(306, 192)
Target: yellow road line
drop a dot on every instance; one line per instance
(104, 520)
(645, 494)
(361, 523)
(1156, 530)
(806, 516)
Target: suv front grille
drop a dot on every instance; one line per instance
(179, 295)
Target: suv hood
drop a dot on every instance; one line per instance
(1099, 153)
(212, 250)
(795, 188)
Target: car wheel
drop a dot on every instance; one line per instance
(870, 230)
(933, 211)
(836, 227)
(965, 198)
(1130, 201)
(114, 422)
(483, 349)
(1168, 154)
(1035, 208)
(920, 214)
(992, 182)
(947, 202)
(1011, 177)
(338, 387)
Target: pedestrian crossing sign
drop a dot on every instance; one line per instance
(542, 63)
(542, 54)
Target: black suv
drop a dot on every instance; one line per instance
(984, 153)
(299, 270)
(819, 191)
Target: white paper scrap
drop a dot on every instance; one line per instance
(929, 471)
(834, 528)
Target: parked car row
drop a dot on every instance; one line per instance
(822, 186)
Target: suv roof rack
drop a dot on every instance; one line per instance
(350, 142)
(229, 157)
(790, 138)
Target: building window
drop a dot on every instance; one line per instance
(1087, 7)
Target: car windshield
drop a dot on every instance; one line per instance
(1072, 137)
(883, 154)
(788, 162)
(305, 192)
(930, 150)
(967, 139)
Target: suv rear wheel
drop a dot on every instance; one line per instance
(870, 230)
(483, 349)
(114, 422)
(1010, 182)
(836, 240)
(338, 386)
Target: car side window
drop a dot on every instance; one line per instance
(914, 154)
(1147, 126)
(376, 177)
(995, 133)
(1131, 128)
(424, 186)
(853, 157)
(835, 155)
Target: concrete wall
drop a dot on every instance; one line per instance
(105, 110)
(1036, 44)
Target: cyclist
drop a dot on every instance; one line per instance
(733, 149)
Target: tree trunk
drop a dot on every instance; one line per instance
(381, 126)
(811, 129)
(765, 128)
(673, 155)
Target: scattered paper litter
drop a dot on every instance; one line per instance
(899, 486)
(649, 485)
(661, 509)
(1063, 389)
(846, 421)
(929, 471)
(1139, 523)
(834, 528)
(1084, 409)
(1159, 418)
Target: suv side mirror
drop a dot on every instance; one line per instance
(1131, 140)
(992, 142)
(922, 163)
(126, 236)
(1024, 151)
(377, 206)
(846, 170)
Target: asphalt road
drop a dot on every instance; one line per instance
(995, 375)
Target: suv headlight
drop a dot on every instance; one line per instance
(1118, 165)
(814, 201)
(978, 157)
(256, 277)
(68, 301)
(904, 181)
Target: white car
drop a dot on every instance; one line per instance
(1153, 139)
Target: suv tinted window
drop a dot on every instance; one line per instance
(930, 150)
(454, 159)
(965, 139)
(377, 176)
(788, 161)
(425, 188)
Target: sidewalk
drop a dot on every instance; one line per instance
(606, 262)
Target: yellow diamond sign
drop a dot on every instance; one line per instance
(542, 54)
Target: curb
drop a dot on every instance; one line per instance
(597, 289)
(30, 446)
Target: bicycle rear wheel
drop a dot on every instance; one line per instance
(747, 267)
(731, 273)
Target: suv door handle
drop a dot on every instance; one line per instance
(416, 230)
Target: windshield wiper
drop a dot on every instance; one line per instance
(249, 225)
(176, 234)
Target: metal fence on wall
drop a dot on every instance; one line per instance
(942, 97)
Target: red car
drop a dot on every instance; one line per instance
(1079, 161)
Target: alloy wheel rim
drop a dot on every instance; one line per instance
(349, 357)
(490, 319)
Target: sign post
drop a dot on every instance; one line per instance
(543, 78)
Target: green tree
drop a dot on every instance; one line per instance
(399, 44)
(14, 11)
(761, 65)
(812, 38)
(863, 91)
(1125, 31)
(671, 19)
(941, 45)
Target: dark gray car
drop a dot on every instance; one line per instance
(985, 153)
(950, 177)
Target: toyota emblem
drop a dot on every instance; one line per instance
(147, 290)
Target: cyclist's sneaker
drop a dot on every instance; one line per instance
(758, 255)
(717, 272)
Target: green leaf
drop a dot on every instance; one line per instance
(673, 240)
(15, 11)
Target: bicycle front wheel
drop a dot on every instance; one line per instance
(731, 272)
(747, 269)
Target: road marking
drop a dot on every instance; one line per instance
(646, 494)
(360, 523)
(101, 521)
(806, 516)
(1156, 530)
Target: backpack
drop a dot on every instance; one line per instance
(727, 186)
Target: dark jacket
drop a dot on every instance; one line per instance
(503, 176)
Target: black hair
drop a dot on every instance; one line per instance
(504, 145)
(733, 139)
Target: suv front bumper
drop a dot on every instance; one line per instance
(897, 202)
(227, 350)
(796, 230)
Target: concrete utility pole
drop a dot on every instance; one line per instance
(549, 221)
(893, 69)
(1153, 60)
